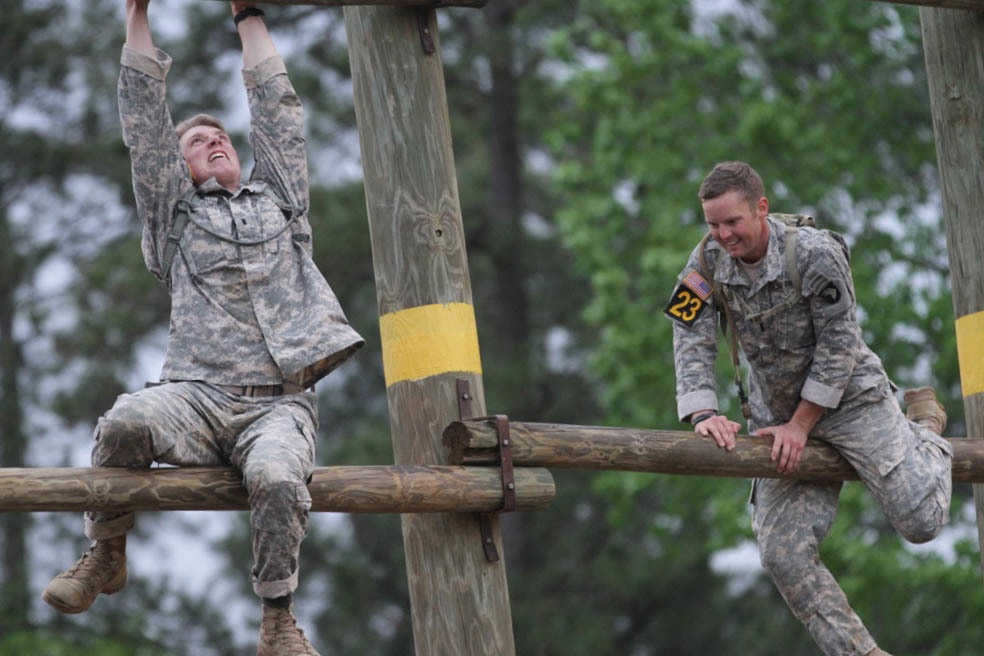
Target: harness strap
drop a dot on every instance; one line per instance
(791, 265)
(727, 327)
(241, 242)
(175, 237)
(186, 209)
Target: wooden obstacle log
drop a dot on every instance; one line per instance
(474, 442)
(368, 489)
(973, 5)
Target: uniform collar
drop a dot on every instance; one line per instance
(212, 186)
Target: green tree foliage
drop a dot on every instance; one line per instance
(42, 64)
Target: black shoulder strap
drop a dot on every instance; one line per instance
(182, 213)
(727, 325)
(184, 209)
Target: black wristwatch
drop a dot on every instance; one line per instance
(696, 419)
(246, 13)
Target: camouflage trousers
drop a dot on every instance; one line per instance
(908, 470)
(271, 440)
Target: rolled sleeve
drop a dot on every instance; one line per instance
(703, 399)
(155, 68)
(268, 68)
(824, 395)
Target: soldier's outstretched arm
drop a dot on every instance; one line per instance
(138, 27)
(257, 43)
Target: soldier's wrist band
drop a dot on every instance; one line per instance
(246, 13)
(702, 416)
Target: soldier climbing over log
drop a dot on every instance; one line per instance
(787, 298)
(253, 324)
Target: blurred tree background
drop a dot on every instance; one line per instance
(581, 132)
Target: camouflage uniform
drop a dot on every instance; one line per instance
(252, 325)
(814, 350)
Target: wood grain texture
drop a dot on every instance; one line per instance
(974, 5)
(459, 601)
(954, 52)
(562, 446)
(370, 489)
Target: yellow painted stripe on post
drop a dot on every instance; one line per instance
(970, 352)
(429, 340)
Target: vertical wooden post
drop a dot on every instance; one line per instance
(459, 600)
(954, 46)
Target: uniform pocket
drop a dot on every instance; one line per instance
(208, 251)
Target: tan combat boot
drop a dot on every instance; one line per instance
(923, 408)
(280, 635)
(100, 569)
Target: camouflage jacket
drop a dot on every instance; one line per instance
(813, 350)
(254, 314)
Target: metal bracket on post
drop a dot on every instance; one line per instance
(423, 27)
(505, 465)
(464, 398)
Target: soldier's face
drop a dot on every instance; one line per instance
(209, 154)
(738, 226)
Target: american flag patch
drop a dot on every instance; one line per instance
(696, 283)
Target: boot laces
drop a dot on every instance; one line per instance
(284, 630)
(94, 558)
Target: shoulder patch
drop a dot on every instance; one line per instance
(689, 299)
(697, 284)
(830, 294)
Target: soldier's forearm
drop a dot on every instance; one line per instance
(138, 28)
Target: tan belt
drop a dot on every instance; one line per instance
(263, 390)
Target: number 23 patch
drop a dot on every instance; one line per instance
(689, 300)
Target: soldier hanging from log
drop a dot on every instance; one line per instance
(254, 324)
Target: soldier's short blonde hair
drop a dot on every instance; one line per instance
(732, 176)
(195, 121)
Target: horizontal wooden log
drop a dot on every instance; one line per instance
(973, 5)
(369, 489)
(559, 446)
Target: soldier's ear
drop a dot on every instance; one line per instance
(762, 206)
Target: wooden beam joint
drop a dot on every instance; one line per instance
(505, 462)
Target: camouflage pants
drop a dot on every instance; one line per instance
(271, 440)
(907, 469)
